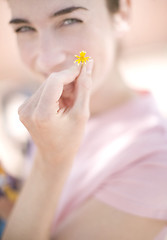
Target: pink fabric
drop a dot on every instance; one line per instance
(122, 162)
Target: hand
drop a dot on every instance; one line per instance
(56, 114)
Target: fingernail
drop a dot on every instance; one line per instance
(89, 67)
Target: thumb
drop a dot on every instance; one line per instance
(84, 82)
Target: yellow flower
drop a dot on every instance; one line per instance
(82, 59)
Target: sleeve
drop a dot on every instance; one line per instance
(139, 189)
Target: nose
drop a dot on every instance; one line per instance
(51, 56)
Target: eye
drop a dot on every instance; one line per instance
(70, 21)
(24, 29)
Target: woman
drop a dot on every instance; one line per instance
(102, 178)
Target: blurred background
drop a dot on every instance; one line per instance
(144, 58)
(143, 63)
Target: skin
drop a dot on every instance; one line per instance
(68, 96)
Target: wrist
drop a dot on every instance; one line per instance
(49, 170)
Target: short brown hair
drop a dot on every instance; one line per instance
(113, 5)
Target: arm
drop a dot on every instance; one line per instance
(33, 214)
(57, 134)
(97, 220)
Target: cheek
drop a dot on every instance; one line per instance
(78, 38)
(26, 50)
(101, 47)
(75, 43)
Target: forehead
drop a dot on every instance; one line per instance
(30, 8)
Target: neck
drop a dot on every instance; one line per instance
(110, 95)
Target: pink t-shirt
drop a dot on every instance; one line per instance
(122, 161)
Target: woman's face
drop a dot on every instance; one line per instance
(51, 32)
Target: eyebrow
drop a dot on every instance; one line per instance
(67, 10)
(56, 14)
